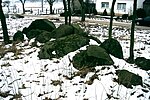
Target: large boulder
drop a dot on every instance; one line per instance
(61, 31)
(128, 79)
(18, 36)
(43, 37)
(33, 33)
(113, 47)
(78, 30)
(143, 63)
(41, 24)
(47, 51)
(93, 56)
(62, 46)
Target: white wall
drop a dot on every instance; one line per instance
(98, 5)
(140, 3)
(129, 6)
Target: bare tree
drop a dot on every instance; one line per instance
(82, 10)
(23, 5)
(42, 5)
(69, 11)
(4, 26)
(131, 58)
(87, 7)
(65, 11)
(111, 19)
(50, 2)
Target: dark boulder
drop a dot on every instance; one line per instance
(34, 33)
(143, 63)
(78, 30)
(61, 31)
(25, 30)
(18, 36)
(92, 57)
(41, 24)
(113, 47)
(43, 37)
(62, 46)
(46, 52)
(128, 79)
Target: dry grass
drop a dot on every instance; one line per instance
(4, 50)
(83, 72)
(91, 79)
(56, 82)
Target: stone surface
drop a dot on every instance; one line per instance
(92, 57)
(143, 63)
(43, 37)
(34, 33)
(62, 46)
(18, 36)
(128, 79)
(41, 24)
(61, 31)
(113, 47)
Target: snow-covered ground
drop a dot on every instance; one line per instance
(22, 72)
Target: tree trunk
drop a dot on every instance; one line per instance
(23, 8)
(111, 19)
(131, 58)
(4, 26)
(87, 6)
(73, 5)
(51, 8)
(65, 11)
(42, 5)
(69, 12)
(82, 10)
(83, 13)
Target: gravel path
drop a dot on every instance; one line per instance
(92, 20)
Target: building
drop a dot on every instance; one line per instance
(89, 6)
(121, 6)
(146, 7)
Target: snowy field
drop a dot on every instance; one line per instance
(23, 75)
